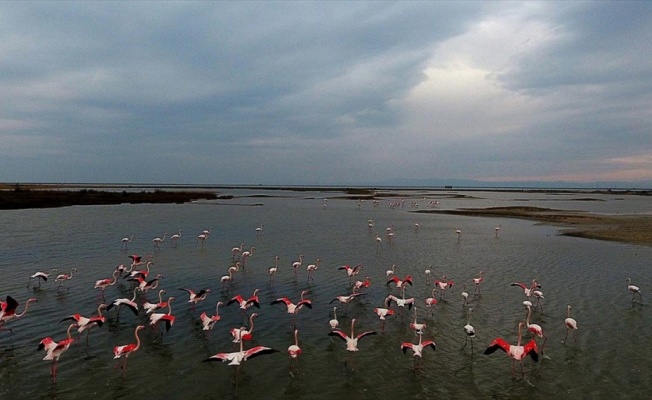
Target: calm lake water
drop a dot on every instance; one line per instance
(611, 358)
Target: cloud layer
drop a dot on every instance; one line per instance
(325, 93)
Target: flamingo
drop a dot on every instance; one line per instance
(443, 284)
(400, 283)
(208, 322)
(534, 328)
(157, 241)
(370, 223)
(243, 334)
(227, 279)
(174, 238)
(382, 313)
(238, 357)
(125, 302)
(245, 255)
(312, 268)
(570, 324)
(497, 229)
(427, 273)
(54, 350)
(417, 348)
(236, 250)
(334, 323)
(418, 328)
(64, 277)
(128, 349)
(8, 311)
(517, 352)
(140, 273)
(136, 260)
(539, 295)
(196, 297)
(465, 295)
(201, 239)
(125, 242)
(402, 302)
(145, 286)
(351, 271)
(272, 270)
(477, 281)
(297, 264)
(151, 307)
(294, 351)
(41, 276)
(431, 301)
(259, 230)
(379, 242)
(459, 234)
(104, 283)
(294, 308)
(527, 290)
(352, 340)
(390, 272)
(357, 285)
(168, 318)
(469, 330)
(244, 304)
(86, 324)
(635, 290)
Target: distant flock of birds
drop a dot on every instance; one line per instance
(142, 283)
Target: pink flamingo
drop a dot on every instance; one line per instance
(294, 308)
(196, 297)
(128, 349)
(168, 318)
(124, 245)
(157, 241)
(104, 283)
(535, 328)
(236, 250)
(431, 301)
(469, 330)
(334, 323)
(383, 313)
(208, 322)
(352, 340)
(527, 290)
(86, 324)
(272, 270)
(400, 283)
(135, 274)
(417, 349)
(477, 281)
(151, 307)
(635, 290)
(243, 334)
(41, 276)
(294, 351)
(516, 352)
(54, 350)
(65, 277)
(351, 271)
(418, 328)
(570, 324)
(8, 311)
(357, 285)
(174, 238)
(312, 268)
(245, 255)
(443, 284)
(297, 264)
(131, 303)
(238, 357)
(246, 303)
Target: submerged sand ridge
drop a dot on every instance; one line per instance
(635, 229)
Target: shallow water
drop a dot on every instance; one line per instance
(611, 358)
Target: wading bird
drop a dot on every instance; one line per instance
(64, 277)
(297, 264)
(123, 301)
(238, 357)
(443, 284)
(168, 318)
(8, 311)
(104, 283)
(535, 328)
(334, 323)
(383, 313)
(157, 241)
(351, 271)
(516, 352)
(570, 324)
(87, 323)
(477, 281)
(469, 330)
(208, 322)
(128, 349)
(527, 291)
(246, 303)
(417, 349)
(294, 351)
(352, 340)
(174, 238)
(272, 270)
(418, 328)
(635, 290)
(400, 283)
(54, 350)
(41, 276)
(294, 308)
(151, 307)
(312, 268)
(244, 334)
(196, 297)
(124, 245)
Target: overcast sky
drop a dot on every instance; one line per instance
(325, 92)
